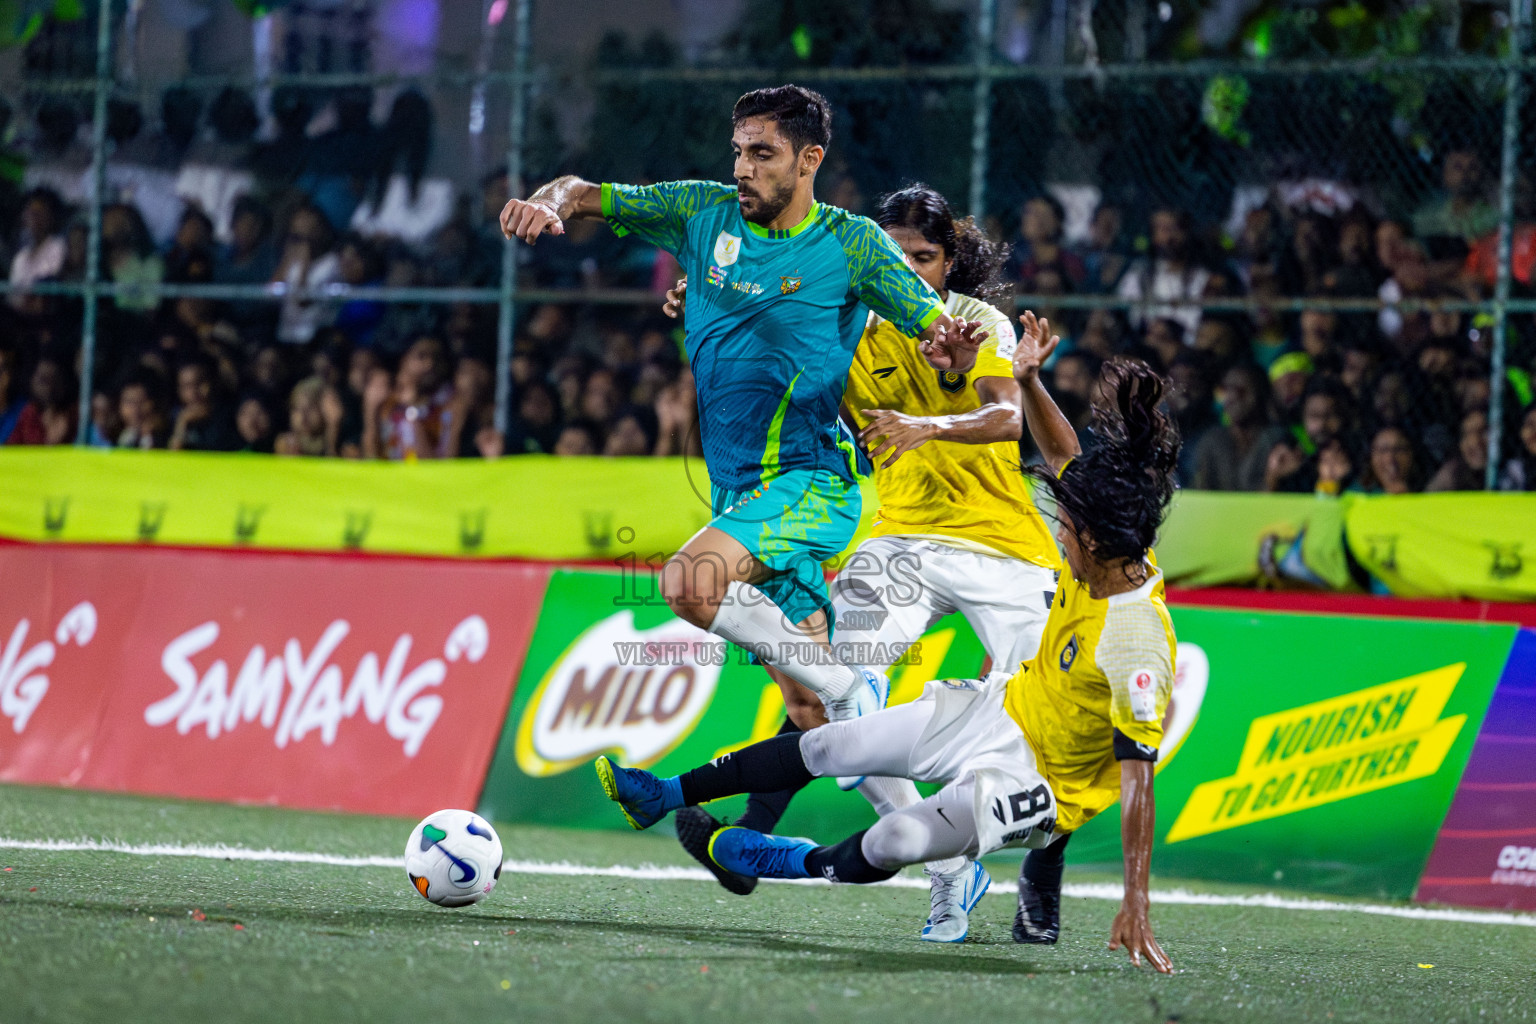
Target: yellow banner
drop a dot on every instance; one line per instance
(544, 507)
(1474, 544)
(532, 506)
(1330, 750)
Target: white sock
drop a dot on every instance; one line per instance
(886, 795)
(747, 617)
(945, 867)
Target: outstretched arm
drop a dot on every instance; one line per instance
(1132, 930)
(547, 210)
(1052, 432)
(998, 419)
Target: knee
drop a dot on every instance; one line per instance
(895, 841)
(804, 708)
(692, 597)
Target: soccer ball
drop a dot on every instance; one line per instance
(453, 858)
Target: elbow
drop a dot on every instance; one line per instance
(1013, 426)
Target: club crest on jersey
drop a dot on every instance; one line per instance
(789, 285)
(1069, 654)
(727, 248)
(951, 381)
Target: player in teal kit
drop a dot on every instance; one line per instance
(784, 288)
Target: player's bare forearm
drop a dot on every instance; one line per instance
(983, 426)
(1000, 418)
(1051, 430)
(550, 206)
(1132, 928)
(571, 197)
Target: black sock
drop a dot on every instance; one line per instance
(1042, 868)
(845, 862)
(770, 765)
(765, 809)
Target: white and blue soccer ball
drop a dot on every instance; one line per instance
(453, 858)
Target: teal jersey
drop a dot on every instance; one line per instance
(774, 318)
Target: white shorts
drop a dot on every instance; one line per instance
(957, 734)
(893, 589)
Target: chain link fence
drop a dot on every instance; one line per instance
(1331, 257)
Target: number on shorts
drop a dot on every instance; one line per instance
(1024, 806)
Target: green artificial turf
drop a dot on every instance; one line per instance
(87, 936)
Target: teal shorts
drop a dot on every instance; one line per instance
(793, 524)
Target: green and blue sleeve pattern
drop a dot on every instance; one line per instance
(659, 213)
(878, 274)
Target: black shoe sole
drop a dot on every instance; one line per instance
(694, 828)
(1026, 936)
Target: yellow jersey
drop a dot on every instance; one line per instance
(1096, 691)
(973, 493)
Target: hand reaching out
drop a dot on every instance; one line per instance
(1133, 932)
(677, 298)
(952, 344)
(528, 219)
(1033, 350)
(902, 433)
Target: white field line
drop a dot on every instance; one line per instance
(655, 873)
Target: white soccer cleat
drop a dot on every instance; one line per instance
(869, 696)
(952, 897)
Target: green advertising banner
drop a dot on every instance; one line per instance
(1325, 752)
(586, 689)
(1306, 750)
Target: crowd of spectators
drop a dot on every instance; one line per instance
(203, 201)
(1392, 401)
(1383, 402)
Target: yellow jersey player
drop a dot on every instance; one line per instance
(1023, 758)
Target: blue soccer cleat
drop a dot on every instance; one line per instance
(756, 855)
(952, 897)
(639, 794)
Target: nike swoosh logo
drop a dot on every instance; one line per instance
(945, 817)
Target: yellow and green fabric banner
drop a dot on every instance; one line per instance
(561, 509)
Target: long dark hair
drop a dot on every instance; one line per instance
(1118, 494)
(977, 259)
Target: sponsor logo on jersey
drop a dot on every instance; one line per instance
(1143, 691)
(1069, 654)
(951, 381)
(717, 277)
(789, 285)
(747, 287)
(883, 371)
(1329, 750)
(590, 701)
(727, 248)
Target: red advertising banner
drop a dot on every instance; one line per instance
(1485, 854)
(365, 684)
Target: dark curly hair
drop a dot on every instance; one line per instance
(1117, 495)
(977, 259)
